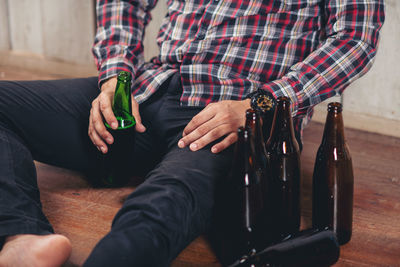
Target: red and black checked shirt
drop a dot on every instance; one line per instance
(308, 50)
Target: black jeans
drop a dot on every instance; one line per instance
(48, 121)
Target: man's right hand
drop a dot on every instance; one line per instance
(102, 111)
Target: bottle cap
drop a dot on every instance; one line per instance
(335, 106)
(283, 101)
(124, 76)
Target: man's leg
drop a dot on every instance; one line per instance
(174, 204)
(165, 213)
(41, 120)
(46, 121)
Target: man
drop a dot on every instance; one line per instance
(189, 102)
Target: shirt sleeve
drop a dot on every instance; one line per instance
(350, 43)
(118, 44)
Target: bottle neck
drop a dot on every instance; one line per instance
(122, 104)
(334, 129)
(253, 122)
(244, 161)
(282, 127)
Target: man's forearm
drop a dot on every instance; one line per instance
(118, 42)
(345, 55)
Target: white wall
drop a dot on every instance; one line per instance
(372, 103)
(4, 33)
(55, 29)
(378, 92)
(149, 43)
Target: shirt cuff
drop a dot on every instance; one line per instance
(286, 87)
(111, 67)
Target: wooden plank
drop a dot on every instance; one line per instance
(78, 211)
(42, 67)
(84, 214)
(376, 237)
(26, 26)
(15, 73)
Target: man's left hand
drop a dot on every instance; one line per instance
(214, 121)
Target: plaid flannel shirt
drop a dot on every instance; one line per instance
(308, 50)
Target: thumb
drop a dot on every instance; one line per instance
(135, 112)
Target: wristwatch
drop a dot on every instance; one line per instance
(262, 101)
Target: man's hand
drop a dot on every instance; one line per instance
(214, 121)
(102, 108)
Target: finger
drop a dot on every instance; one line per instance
(106, 110)
(199, 132)
(229, 140)
(96, 140)
(98, 124)
(202, 117)
(99, 142)
(135, 112)
(211, 136)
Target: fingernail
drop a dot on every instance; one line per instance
(181, 144)
(193, 146)
(103, 150)
(114, 125)
(109, 140)
(214, 150)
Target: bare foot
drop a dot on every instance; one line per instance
(35, 251)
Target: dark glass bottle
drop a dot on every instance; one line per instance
(118, 160)
(284, 166)
(309, 248)
(267, 119)
(253, 122)
(244, 197)
(333, 179)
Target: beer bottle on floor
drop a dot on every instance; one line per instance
(119, 156)
(245, 204)
(253, 122)
(333, 179)
(284, 166)
(309, 248)
(267, 119)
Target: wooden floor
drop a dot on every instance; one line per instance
(84, 214)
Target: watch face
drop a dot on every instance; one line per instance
(265, 103)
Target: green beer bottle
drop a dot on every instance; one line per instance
(120, 153)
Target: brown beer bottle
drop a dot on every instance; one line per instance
(333, 179)
(267, 119)
(245, 204)
(309, 248)
(253, 122)
(284, 167)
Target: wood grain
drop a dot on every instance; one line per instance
(84, 214)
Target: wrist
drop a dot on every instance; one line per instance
(247, 103)
(109, 84)
(262, 101)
